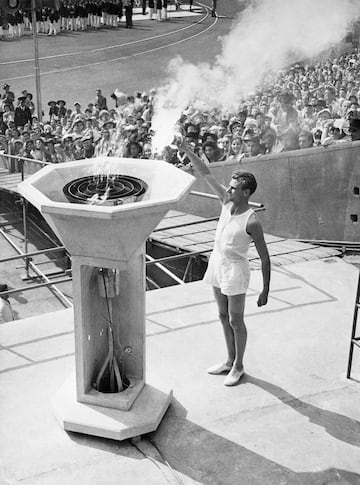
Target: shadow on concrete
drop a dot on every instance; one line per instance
(210, 458)
(294, 276)
(337, 425)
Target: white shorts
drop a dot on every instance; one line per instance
(232, 277)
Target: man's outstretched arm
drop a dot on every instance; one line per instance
(204, 171)
(256, 232)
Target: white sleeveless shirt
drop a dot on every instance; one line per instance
(231, 239)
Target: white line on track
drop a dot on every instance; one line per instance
(67, 69)
(115, 46)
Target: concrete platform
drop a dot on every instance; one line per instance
(143, 417)
(294, 419)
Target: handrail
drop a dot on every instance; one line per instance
(49, 283)
(177, 256)
(34, 253)
(17, 157)
(185, 224)
(255, 205)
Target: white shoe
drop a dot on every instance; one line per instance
(233, 377)
(219, 369)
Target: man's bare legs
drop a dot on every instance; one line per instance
(222, 303)
(231, 315)
(236, 311)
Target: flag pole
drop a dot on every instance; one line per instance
(36, 60)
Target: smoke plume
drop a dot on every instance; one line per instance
(267, 35)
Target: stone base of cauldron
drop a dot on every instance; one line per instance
(144, 416)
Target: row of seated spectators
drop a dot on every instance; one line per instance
(301, 107)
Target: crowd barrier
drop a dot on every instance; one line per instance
(308, 194)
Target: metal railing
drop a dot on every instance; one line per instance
(17, 164)
(26, 256)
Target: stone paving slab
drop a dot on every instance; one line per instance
(294, 419)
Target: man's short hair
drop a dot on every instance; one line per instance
(306, 133)
(210, 144)
(247, 180)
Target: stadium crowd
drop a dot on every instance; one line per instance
(303, 106)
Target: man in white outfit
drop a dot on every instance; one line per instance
(228, 270)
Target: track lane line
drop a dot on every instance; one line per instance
(115, 46)
(67, 69)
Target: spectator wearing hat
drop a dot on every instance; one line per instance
(8, 97)
(29, 102)
(88, 145)
(78, 127)
(53, 110)
(61, 108)
(251, 147)
(323, 116)
(77, 111)
(236, 128)
(48, 133)
(104, 116)
(22, 114)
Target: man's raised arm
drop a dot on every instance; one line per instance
(204, 171)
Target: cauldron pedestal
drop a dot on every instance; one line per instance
(100, 237)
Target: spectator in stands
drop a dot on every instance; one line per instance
(288, 140)
(251, 147)
(8, 97)
(236, 153)
(22, 113)
(305, 139)
(211, 152)
(133, 150)
(100, 100)
(40, 151)
(354, 129)
(53, 110)
(286, 114)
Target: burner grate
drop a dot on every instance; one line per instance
(105, 189)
